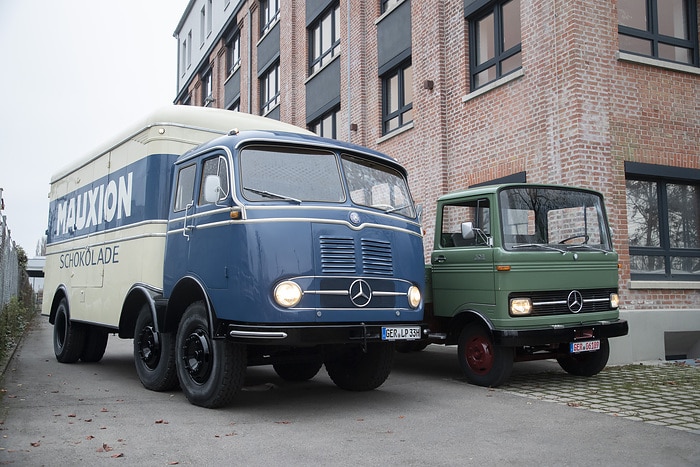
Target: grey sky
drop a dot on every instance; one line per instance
(74, 74)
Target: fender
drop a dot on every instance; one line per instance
(187, 290)
(61, 292)
(138, 295)
(467, 316)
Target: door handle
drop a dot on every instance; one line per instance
(440, 259)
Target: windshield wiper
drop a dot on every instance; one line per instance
(269, 194)
(398, 208)
(538, 245)
(586, 247)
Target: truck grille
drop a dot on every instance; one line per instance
(545, 303)
(338, 256)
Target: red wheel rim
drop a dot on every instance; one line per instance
(479, 355)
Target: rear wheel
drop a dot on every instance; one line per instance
(95, 344)
(154, 354)
(68, 336)
(211, 371)
(298, 371)
(357, 370)
(586, 363)
(482, 362)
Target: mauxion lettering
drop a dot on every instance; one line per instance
(95, 205)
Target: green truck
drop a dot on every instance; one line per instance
(522, 272)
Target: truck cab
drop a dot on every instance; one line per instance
(521, 272)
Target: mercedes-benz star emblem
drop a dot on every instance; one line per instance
(360, 293)
(574, 301)
(355, 218)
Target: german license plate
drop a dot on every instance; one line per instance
(585, 346)
(400, 333)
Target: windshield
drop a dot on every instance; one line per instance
(377, 186)
(290, 174)
(553, 218)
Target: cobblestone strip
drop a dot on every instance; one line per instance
(665, 394)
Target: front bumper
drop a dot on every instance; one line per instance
(559, 334)
(310, 335)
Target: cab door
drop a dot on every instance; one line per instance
(462, 259)
(209, 238)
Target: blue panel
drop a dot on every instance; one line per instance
(135, 193)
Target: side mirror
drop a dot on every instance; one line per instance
(213, 193)
(467, 230)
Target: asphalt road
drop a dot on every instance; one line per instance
(425, 414)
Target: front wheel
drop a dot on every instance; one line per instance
(154, 354)
(357, 370)
(483, 362)
(586, 363)
(211, 371)
(68, 336)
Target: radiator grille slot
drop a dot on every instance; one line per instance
(337, 255)
(376, 257)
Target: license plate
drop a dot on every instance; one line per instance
(586, 346)
(400, 333)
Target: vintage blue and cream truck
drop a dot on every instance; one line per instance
(522, 272)
(217, 240)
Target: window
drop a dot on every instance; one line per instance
(326, 125)
(189, 49)
(665, 29)
(494, 43)
(397, 98)
(183, 58)
(269, 15)
(663, 225)
(215, 169)
(202, 24)
(235, 106)
(233, 52)
(389, 4)
(184, 194)
(207, 88)
(270, 89)
(324, 39)
(456, 233)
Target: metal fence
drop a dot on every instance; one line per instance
(9, 265)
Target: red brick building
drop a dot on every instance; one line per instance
(602, 94)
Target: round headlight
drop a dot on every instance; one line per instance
(288, 294)
(414, 296)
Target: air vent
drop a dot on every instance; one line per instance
(337, 255)
(376, 257)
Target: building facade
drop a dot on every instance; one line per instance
(603, 94)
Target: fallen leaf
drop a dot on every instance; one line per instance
(89, 437)
(104, 410)
(88, 420)
(71, 415)
(115, 456)
(284, 422)
(173, 463)
(36, 444)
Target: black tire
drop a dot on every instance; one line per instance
(211, 371)
(586, 363)
(68, 336)
(298, 371)
(411, 346)
(356, 370)
(482, 362)
(154, 354)
(95, 344)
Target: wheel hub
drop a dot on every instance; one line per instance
(197, 356)
(149, 346)
(479, 355)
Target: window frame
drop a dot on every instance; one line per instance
(664, 249)
(233, 52)
(268, 17)
(652, 35)
(268, 101)
(500, 56)
(319, 59)
(403, 107)
(318, 123)
(207, 87)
